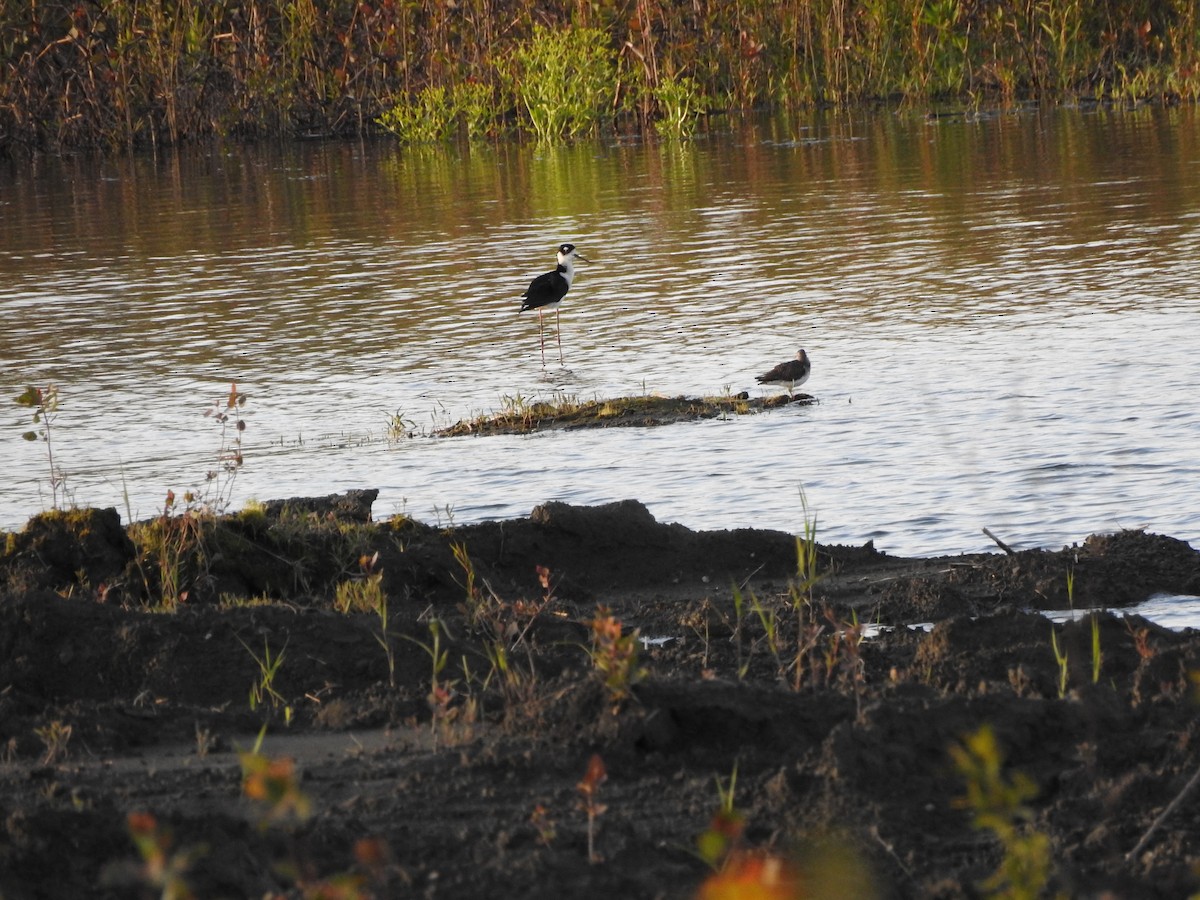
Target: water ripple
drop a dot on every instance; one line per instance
(1005, 345)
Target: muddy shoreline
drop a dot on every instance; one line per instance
(707, 671)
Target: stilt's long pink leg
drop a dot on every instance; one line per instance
(558, 331)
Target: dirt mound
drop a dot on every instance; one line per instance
(519, 417)
(436, 746)
(62, 548)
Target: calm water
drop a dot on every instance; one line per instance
(1002, 316)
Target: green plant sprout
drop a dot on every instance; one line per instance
(273, 785)
(440, 693)
(1060, 657)
(724, 831)
(162, 869)
(614, 656)
(363, 592)
(366, 594)
(475, 607)
(801, 590)
(504, 627)
(807, 573)
(518, 684)
(997, 804)
(1097, 653)
(54, 736)
(44, 403)
(739, 608)
(448, 509)
(700, 626)
(399, 427)
(510, 677)
(769, 619)
(205, 740)
(263, 690)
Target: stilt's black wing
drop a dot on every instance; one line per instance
(544, 290)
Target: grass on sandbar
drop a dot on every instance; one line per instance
(518, 415)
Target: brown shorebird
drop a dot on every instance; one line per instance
(546, 291)
(793, 373)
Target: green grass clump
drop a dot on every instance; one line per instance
(430, 116)
(681, 102)
(263, 690)
(365, 594)
(172, 554)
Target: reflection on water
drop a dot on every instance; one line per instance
(999, 312)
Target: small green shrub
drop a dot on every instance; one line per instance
(436, 114)
(426, 118)
(614, 656)
(680, 105)
(478, 109)
(997, 804)
(564, 80)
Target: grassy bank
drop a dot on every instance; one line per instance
(126, 73)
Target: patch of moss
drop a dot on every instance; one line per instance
(254, 516)
(404, 526)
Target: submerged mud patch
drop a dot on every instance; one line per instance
(522, 418)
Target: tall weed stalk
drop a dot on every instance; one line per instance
(43, 401)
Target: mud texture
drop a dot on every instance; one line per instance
(620, 412)
(131, 762)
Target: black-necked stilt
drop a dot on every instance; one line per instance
(546, 291)
(793, 373)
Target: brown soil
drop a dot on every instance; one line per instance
(484, 800)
